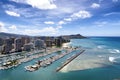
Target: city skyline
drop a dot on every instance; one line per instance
(60, 17)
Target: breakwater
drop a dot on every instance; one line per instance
(69, 60)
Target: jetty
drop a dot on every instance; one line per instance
(69, 60)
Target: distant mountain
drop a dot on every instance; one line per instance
(5, 35)
(76, 36)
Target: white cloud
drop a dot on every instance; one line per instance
(46, 30)
(68, 19)
(2, 27)
(13, 27)
(59, 27)
(61, 22)
(81, 14)
(11, 13)
(24, 12)
(1, 24)
(40, 4)
(95, 5)
(49, 22)
(78, 15)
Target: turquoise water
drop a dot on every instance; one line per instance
(96, 46)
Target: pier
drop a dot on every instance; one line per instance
(69, 60)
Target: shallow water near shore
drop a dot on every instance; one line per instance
(100, 61)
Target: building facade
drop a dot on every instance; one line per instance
(7, 46)
(39, 44)
(18, 45)
(28, 47)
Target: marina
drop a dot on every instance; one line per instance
(48, 61)
(8, 63)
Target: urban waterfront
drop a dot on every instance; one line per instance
(100, 61)
(59, 40)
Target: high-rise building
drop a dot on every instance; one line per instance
(49, 43)
(1, 41)
(1, 49)
(12, 40)
(27, 40)
(28, 47)
(23, 40)
(1, 44)
(39, 44)
(58, 41)
(18, 45)
(7, 47)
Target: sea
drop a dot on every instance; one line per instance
(100, 61)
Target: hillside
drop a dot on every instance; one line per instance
(76, 36)
(5, 35)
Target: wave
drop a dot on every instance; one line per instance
(115, 60)
(111, 59)
(100, 56)
(101, 46)
(114, 50)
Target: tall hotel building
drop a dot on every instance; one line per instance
(1, 45)
(39, 44)
(7, 47)
(18, 45)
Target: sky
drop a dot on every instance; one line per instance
(60, 17)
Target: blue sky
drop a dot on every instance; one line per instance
(60, 17)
